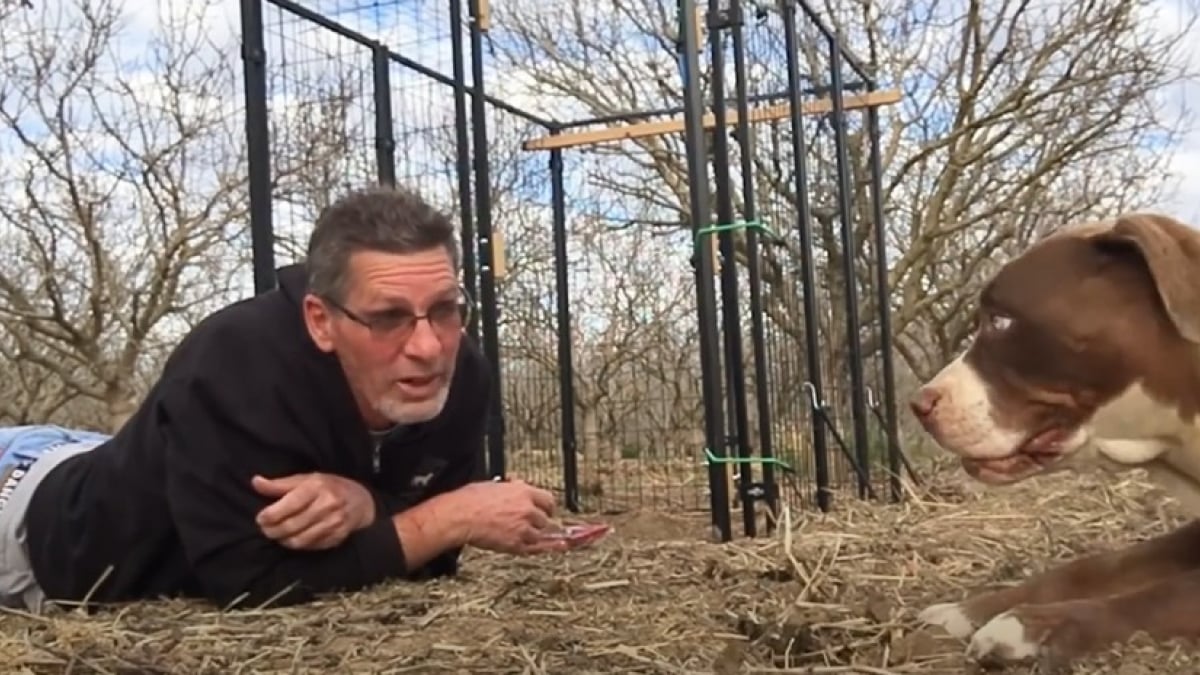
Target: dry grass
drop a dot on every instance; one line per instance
(655, 598)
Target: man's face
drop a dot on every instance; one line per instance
(399, 369)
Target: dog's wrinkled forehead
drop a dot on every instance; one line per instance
(1046, 283)
(1057, 316)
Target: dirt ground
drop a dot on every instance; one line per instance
(837, 595)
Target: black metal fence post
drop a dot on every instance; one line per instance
(762, 391)
(487, 278)
(462, 141)
(566, 368)
(736, 433)
(258, 145)
(385, 137)
(883, 300)
(698, 206)
(858, 403)
(809, 281)
(804, 225)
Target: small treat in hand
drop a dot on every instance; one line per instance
(577, 536)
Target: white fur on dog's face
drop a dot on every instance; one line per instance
(963, 421)
(1085, 352)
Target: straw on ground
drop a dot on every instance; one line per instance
(838, 594)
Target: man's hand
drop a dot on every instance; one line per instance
(313, 511)
(508, 517)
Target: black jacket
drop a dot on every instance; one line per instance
(168, 503)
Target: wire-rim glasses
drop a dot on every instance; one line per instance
(445, 317)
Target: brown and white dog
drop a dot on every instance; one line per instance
(1087, 355)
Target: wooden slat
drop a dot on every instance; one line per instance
(499, 255)
(676, 125)
(483, 15)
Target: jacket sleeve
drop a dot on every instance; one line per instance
(217, 437)
(446, 563)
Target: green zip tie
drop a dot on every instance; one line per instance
(733, 227)
(774, 461)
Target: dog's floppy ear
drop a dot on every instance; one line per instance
(1172, 253)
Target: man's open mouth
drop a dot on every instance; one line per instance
(1038, 452)
(419, 383)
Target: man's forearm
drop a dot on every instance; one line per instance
(427, 530)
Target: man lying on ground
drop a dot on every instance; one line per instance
(323, 436)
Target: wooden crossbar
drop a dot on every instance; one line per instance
(676, 125)
(483, 15)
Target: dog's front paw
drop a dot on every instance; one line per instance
(951, 617)
(1054, 633)
(1005, 639)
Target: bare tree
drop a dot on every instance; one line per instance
(1016, 118)
(126, 184)
(317, 150)
(10, 7)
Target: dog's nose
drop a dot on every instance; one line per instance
(924, 401)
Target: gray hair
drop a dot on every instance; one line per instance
(377, 218)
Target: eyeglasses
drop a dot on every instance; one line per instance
(446, 316)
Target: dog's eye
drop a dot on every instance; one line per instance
(990, 321)
(998, 322)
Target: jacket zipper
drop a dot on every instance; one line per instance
(375, 460)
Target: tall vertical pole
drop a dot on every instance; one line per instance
(804, 224)
(758, 341)
(489, 314)
(566, 365)
(858, 401)
(698, 206)
(735, 376)
(258, 145)
(883, 300)
(385, 137)
(466, 207)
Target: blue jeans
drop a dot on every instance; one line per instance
(27, 454)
